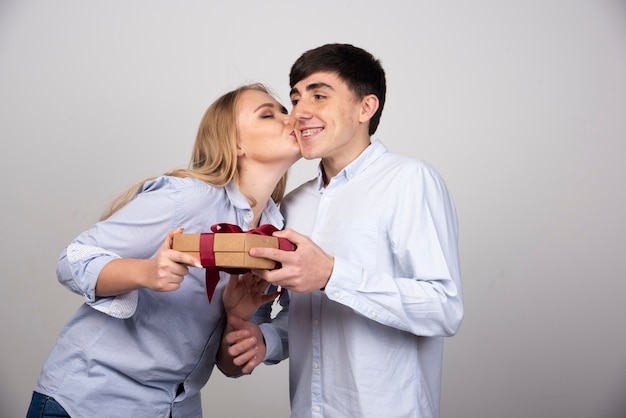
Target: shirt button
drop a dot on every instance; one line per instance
(316, 409)
(315, 365)
(316, 322)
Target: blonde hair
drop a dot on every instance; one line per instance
(214, 154)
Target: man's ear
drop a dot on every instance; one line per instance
(369, 106)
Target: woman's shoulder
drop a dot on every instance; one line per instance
(177, 184)
(187, 189)
(191, 197)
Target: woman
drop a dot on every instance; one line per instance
(145, 341)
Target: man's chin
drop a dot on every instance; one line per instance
(309, 154)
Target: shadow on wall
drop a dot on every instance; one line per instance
(616, 405)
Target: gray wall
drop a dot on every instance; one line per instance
(520, 104)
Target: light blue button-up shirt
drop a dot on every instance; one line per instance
(371, 343)
(145, 353)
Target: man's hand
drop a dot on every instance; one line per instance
(306, 269)
(244, 294)
(242, 347)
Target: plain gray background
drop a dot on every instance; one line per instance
(520, 104)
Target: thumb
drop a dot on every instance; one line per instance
(169, 240)
(268, 297)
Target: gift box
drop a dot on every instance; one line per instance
(229, 250)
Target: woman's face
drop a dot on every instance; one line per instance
(265, 131)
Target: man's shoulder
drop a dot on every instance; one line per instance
(403, 162)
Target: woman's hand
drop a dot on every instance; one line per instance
(164, 272)
(244, 294)
(169, 267)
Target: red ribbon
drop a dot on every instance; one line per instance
(207, 255)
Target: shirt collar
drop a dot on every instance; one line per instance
(236, 197)
(271, 214)
(361, 163)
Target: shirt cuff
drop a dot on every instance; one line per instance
(86, 263)
(273, 344)
(120, 306)
(345, 277)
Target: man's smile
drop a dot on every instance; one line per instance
(310, 132)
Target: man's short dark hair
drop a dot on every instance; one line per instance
(359, 69)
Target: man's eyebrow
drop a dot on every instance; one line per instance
(312, 86)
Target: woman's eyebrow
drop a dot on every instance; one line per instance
(268, 104)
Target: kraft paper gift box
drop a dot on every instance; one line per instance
(229, 249)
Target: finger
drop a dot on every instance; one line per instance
(245, 356)
(258, 284)
(236, 337)
(169, 239)
(291, 235)
(243, 350)
(184, 258)
(270, 297)
(174, 273)
(261, 273)
(276, 277)
(251, 365)
(177, 268)
(276, 254)
(232, 282)
(271, 253)
(180, 257)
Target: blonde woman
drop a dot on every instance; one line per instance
(145, 341)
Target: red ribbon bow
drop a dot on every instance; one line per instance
(207, 256)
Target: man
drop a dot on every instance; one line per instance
(376, 287)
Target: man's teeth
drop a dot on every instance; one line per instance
(309, 132)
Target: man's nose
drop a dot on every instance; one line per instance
(300, 111)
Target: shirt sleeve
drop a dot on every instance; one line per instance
(275, 333)
(78, 269)
(135, 231)
(421, 291)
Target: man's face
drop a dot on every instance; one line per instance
(326, 114)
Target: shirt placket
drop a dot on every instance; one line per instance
(316, 309)
(248, 216)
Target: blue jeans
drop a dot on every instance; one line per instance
(42, 406)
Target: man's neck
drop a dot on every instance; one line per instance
(332, 165)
